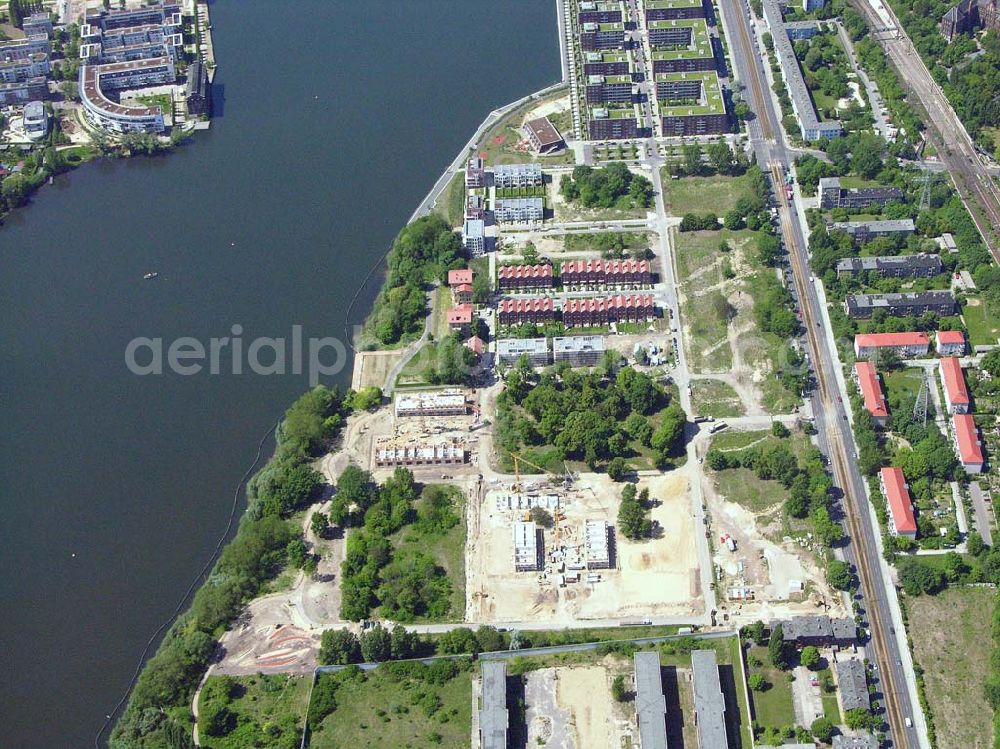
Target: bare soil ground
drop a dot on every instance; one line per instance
(372, 367)
(762, 565)
(655, 577)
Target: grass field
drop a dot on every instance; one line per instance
(268, 710)
(702, 194)
(451, 204)
(384, 709)
(715, 398)
(706, 311)
(902, 382)
(766, 352)
(950, 634)
(984, 329)
(773, 708)
(448, 550)
(741, 485)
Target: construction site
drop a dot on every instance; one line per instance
(427, 431)
(551, 548)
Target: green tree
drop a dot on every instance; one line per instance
(839, 575)
(376, 644)
(319, 523)
(823, 730)
(618, 691)
(296, 553)
(403, 643)
(757, 682)
(617, 469)
(809, 657)
(215, 719)
(339, 647)
(458, 641)
(777, 651)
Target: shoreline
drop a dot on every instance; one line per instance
(122, 710)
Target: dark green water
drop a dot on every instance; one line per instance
(270, 220)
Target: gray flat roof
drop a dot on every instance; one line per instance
(862, 741)
(920, 260)
(709, 704)
(903, 224)
(823, 627)
(578, 343)
(650, 705)
(798, 91)
(493, 719)
(518, 346)
(853, 684)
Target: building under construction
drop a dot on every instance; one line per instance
(432, 403)
(597, 542)
(527, 547)
(415, 455)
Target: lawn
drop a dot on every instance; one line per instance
(715, 398)
(741, 485)
(903, 382)
(702, 194)
(950, 635)
(447, 548)
(498, 146)
(773, 708)
(452, 206)
(706, 311)
(391, 710)
(267, 710)
(984, 329)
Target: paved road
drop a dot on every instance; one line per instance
(878, 593)
(982, 512)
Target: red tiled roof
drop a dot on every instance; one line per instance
(460, 315)
(627, 301)
(464, 287)
(969, 449)
(900, 503)
(877, 340)
(609, 267)
(526, 305)
(951, 336)
(954, 381)
(476, 344)
(871, 389)
(460, 276)
(524, 271)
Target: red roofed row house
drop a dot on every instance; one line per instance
(904, 344)
(604, 272)
(950, 342)
(870, 386)
(956, 394)
(593, 312)
(517, 311)
(967, 443)
(524, 277)
(902, 521)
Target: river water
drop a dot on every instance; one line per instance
(337, 117)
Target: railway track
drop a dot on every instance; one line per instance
(853, 505)
(758, 90)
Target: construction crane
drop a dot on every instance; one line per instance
(567, 478)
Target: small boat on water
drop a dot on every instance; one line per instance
(148, 276)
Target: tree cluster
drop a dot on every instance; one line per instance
(373, 574)
(421, 253)
(607, 187)
(633, 514)
(588, 415)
